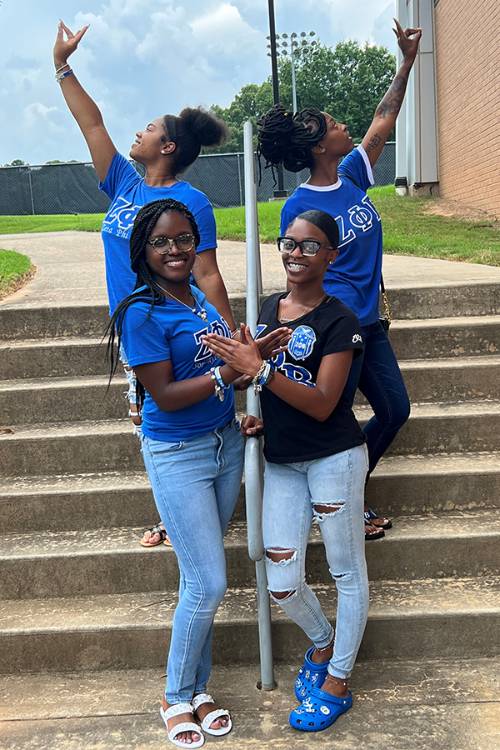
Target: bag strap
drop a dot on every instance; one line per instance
(385, 301)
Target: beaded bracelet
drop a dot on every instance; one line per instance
(219, 385)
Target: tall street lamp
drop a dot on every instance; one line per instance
(280, 192)
(287, 46)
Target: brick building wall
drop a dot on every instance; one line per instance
(468, 97)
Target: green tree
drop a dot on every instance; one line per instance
(16, 163)
(348, 81)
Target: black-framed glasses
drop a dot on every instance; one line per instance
(287, 245)
(164, 245)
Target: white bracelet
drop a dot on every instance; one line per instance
(61, 76)
(58, 70)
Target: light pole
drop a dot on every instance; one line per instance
(287, 48)
(280, 192)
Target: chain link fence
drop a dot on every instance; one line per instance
(72, 188)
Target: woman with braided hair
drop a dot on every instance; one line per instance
(191, 444)
(165, 147)
(315, 140)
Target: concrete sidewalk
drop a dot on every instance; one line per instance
(70, 269)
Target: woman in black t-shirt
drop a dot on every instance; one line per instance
(316, 462)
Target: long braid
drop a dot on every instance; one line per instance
(288, 139)
(143, 226)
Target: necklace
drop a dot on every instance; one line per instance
(306, 309)
(196, 310)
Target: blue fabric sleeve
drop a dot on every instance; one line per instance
(357, 168)
(286, 217)
(121, 174)
(206, 224)
(143, 339)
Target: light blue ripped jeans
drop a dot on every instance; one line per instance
(195, 484)
(291, 492)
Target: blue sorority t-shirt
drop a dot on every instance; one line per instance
(129, 193)
(355, 275)
(171, 331)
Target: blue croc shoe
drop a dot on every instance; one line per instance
(319, 711)
(310, 675)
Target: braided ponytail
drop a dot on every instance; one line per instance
(288, 139)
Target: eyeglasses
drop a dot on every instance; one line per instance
(163, 245)
(287, 245)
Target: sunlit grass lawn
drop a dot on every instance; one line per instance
(14, 268)
(408, 228)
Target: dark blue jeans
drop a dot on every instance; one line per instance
(377, 375)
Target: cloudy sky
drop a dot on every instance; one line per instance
(143, 58)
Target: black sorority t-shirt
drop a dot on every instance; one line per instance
(289, 434)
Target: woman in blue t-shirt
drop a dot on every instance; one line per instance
(191, 444)
(316, 462)
(165, 147)
(315, 140)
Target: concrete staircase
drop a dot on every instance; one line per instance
(85, 612)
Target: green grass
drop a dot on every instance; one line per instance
(409, 229)
(51, 223)
(14, 270)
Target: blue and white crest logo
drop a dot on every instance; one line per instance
(302, 342)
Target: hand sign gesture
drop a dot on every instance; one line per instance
(63, 48)
(408, 40)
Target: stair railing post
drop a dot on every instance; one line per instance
(253, 456)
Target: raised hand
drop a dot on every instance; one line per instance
(408, 40)
(64, 47)
(243, 356)
(251, 426)
(274, 342)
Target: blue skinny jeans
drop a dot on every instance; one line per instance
(195, 484)
(377, 375)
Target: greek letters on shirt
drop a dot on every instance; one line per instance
(362, 217)
(120, 218)
(203, 354)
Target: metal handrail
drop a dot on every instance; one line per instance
(253, 454)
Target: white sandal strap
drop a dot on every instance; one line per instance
(186, 726)
(213, 716)
(176, 709)
(198, 700)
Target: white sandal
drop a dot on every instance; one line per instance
(198, 700)
(184, 726)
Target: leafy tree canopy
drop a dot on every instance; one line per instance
(348, 81)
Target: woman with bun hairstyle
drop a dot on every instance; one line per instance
(315, 140)
(316, 461)
(165, 147)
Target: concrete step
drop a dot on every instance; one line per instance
(18, 322)
(83, 356)
(432, 618)
(400, 485)
(118, 709)
(80, 447)
(111, 561)
(52, 399)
